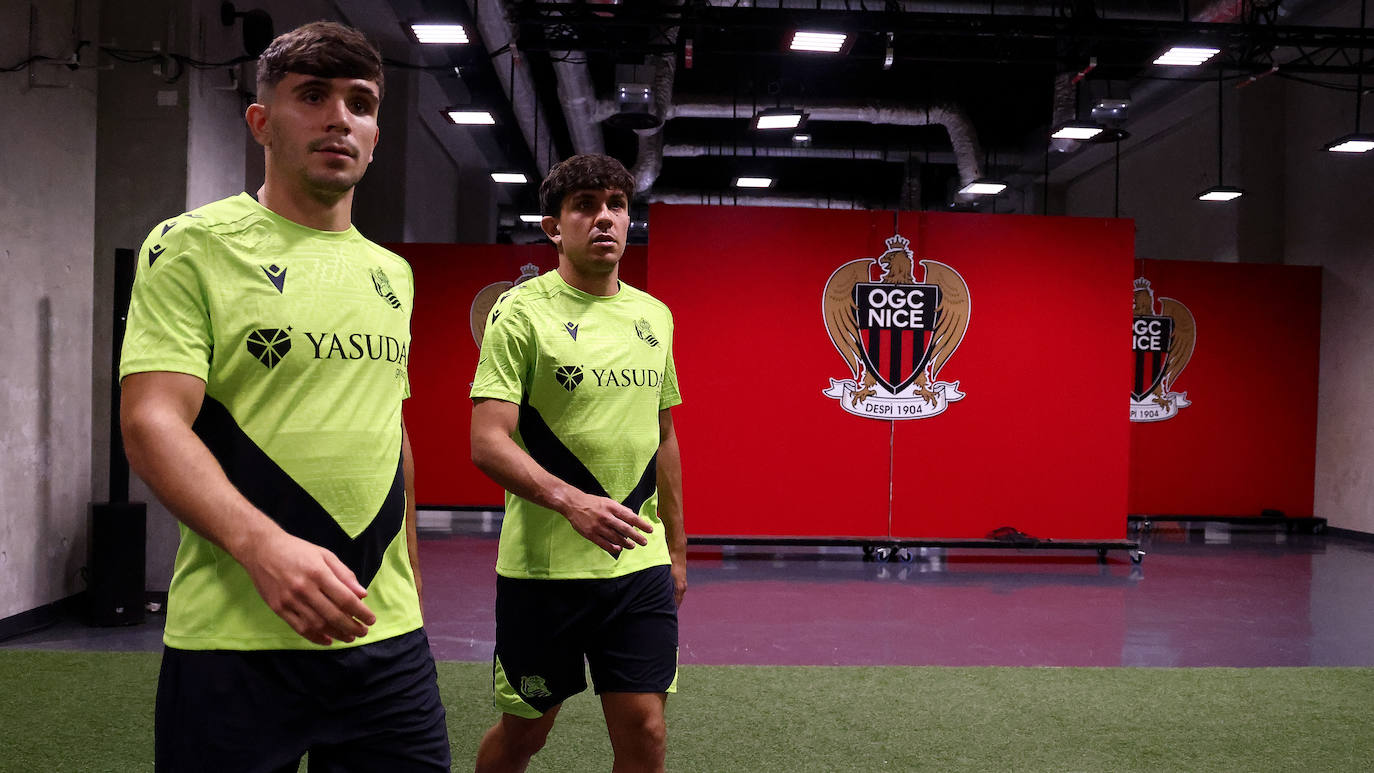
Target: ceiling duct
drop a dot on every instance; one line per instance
(808, 202)
(514, 74)
(649, 159)
(892, 155)
(964, 141)
(634, 98)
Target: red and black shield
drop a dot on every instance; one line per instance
(897, 323)
(1150, 338)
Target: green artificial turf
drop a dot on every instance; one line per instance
(87, 712)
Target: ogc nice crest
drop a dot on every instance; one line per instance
(479, 315)
(1162, 338)
(895, 334)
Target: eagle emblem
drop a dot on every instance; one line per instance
(1163, 335)
(479, 316)
(894, 333)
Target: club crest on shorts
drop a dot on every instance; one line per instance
(1163, 335)
(894, 333)
(479, 315)
(534, 687)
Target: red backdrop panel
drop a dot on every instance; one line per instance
(1247, 440)
(1040, 441)
(443, 358)
(763, 452)
(1041, 435)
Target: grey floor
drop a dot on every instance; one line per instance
(1205, 595)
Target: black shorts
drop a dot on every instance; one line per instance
(367, 708)
(625, 628)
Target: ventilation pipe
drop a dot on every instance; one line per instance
(649, 159)
(496, 32)
(968, 152)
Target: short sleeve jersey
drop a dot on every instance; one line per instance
(301, 337)
(590, 375)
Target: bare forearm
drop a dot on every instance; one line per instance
(506, 463)
(183, 473)
(670, 498)
(412, 535)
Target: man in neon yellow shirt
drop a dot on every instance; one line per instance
(572, 415)
(262, 376)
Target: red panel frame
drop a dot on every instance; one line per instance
(443, 358)
(784, 460)
(1248, 441)
(1040, 441)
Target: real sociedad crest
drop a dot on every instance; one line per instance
(1162, 341)
(895, 333)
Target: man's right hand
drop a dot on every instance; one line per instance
(309, 588)
(605, 522)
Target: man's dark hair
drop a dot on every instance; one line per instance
(323, 49)
(588, 171)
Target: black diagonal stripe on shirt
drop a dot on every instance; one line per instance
(546, 449)
(274, 492)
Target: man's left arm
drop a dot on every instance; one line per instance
(412, 540)
(670, 501)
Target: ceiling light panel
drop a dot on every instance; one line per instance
(823, 42)
(439, 34)
(1181, 56)
(471, 117)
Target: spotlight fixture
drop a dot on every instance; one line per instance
(509, 177)
(801, 139)
(821, 42)
(753, 182)
(470, 117)
(983, 187)
(533, 219)
(438, 34)
(1351, 143)
(1076, 130)
(778, 118)
(1184, 56)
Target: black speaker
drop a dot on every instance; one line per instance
(114, 563)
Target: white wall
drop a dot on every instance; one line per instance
(47, 214)
(1302, 207)
(1330, 223)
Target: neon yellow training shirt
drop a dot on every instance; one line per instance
(301, 337)
(590, 375)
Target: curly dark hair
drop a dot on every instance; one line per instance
(588, 171)
(324, 49)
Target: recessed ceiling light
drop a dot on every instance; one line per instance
(778, 119)
(1183, 56)
(1351, 143)
(984, 187)
(508, 177)
(531, 218)
(824, 42)
(439, 33)
(1220, 193)
(753, 182)
(1076, 130)
(470, 117)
